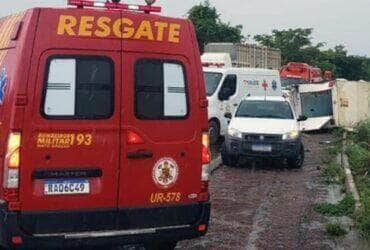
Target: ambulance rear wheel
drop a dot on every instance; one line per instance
(161, 246)
(214, 131)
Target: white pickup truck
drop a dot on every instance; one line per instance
(264, 127)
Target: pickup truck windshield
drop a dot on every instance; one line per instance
(265, 109)
(212, 81)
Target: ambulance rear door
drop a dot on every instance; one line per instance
(161, 159)
(71, 153)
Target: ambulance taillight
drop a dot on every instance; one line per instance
(12, 161)
(206, 157)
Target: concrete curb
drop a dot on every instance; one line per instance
(350, 183)
(215, 165)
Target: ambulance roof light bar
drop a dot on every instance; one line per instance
(116, 5)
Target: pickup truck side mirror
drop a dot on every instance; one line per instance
(302, 118)
(228, 115)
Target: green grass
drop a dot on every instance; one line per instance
(333, 174)
(335, 229)
(359, 159)
(345, 207)
(363, 225)
(335, 147)
(362, 134)
(358, 152)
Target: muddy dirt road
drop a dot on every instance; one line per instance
(267, 206)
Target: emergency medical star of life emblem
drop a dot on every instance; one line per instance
(165, 173)
(3, 83)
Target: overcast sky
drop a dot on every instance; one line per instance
(334, 21)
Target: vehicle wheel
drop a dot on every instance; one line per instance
(228, 159)
(161, 246)
(297, 162)
(214, 132)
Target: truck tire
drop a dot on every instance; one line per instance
(227, 159)
(298, 160)
(161, 246)
(214, 132)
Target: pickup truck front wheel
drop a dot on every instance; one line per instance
(298, 160)
(227, 159)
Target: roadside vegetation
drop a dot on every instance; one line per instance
(346, 207)
(333, 173)
(358, 151)
(335, 229)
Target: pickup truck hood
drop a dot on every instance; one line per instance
(263, 126)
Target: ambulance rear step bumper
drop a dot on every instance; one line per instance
(132, 226)
(116, 233)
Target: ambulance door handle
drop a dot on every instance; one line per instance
(235, 104)
(140, 154)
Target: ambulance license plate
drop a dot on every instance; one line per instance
(261, 148)
(66, 187)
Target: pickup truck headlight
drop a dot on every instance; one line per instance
(235, 133)
(291, 135)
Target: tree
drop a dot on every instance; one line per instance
(291, 42)
(209, 27)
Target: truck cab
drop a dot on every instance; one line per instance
(226, 87)
(104, 129)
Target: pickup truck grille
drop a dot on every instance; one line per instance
(262, 138)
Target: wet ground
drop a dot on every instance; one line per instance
(267, 205)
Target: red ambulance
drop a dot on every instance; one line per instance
(103, 118)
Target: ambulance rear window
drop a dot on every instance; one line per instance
(160, 90)
(79, 88)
